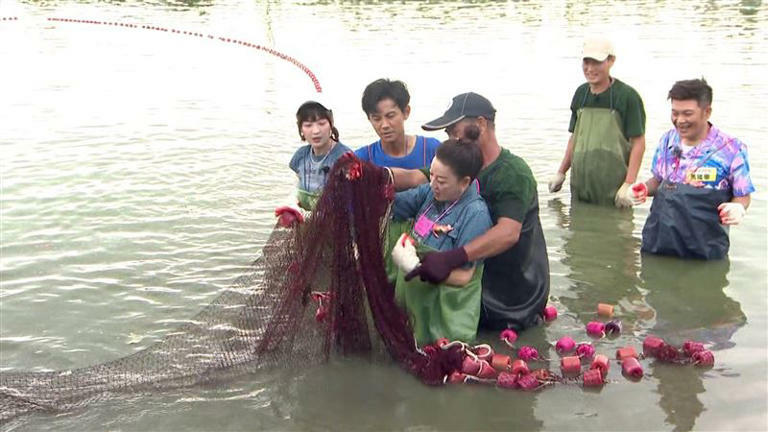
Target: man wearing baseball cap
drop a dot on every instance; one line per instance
(515, 284)
(607, 128)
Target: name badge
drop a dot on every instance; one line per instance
(423, 226)
(703, 174)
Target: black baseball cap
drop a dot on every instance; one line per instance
(464, 105)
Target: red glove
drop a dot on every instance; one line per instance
(437, 266)
(288, 216)
(639, 193)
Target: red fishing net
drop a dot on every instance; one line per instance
(316, 291)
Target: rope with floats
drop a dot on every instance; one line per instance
(294, 61)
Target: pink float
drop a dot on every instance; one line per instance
(550, 313)
(565, 345)
(571, 364)
(601, 363)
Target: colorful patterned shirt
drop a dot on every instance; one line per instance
(719, 162)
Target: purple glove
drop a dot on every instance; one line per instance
(436, 266)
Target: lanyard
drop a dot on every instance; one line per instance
(677, 152)
(444, 211)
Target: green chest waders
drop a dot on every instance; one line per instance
(440, 310)
(600, 156)
(307, 200)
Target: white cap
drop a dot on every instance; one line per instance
(598, 48)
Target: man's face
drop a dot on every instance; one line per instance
(597, 72)
(389, 121)
(456, 130)
(690, 119)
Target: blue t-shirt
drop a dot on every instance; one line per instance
(420, 156)
(469, 217)
(312, 170)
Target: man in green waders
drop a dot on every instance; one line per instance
(515, 284)
(607, 128)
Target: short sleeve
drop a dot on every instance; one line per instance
(407, 203)
(514, 203)
(634, 117)
(739, 176)
(657, 163)
(296, 160)
(574, 109)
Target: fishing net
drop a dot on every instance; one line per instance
(317, 290)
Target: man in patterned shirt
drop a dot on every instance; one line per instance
(700, 182)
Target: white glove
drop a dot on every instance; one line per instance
(731, 213)
(556, 182)
(404, 253)
(638, 193)
(624, 197)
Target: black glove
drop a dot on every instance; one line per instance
(436, 266)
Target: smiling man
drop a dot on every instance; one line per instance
(700, 182)
(607, 128)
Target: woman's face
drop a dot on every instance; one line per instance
(317, 133)
(446, 186)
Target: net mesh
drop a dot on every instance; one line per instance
(269, 317)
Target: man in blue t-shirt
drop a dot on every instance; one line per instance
(385, 103)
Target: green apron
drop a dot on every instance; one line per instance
(600, 155)
(307, 200)
(440, 310)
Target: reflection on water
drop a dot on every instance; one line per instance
(601, 255)
(385, 398)
(689, 304)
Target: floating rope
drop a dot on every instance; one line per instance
(246, 44)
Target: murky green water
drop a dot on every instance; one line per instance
(139, 172)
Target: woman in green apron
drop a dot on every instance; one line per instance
(313, 161)
(449, 213)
